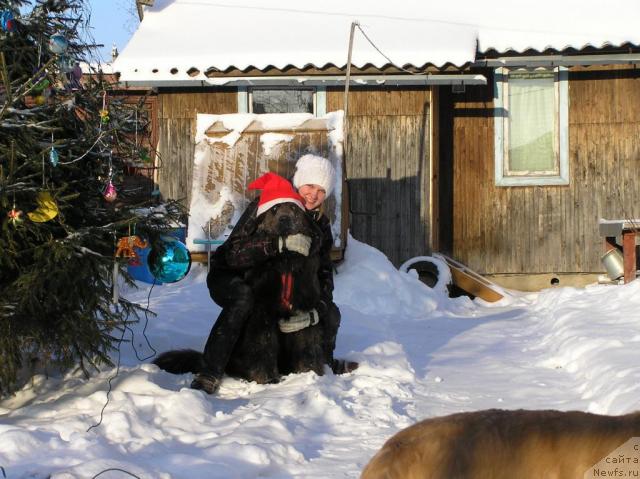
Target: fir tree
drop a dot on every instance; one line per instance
(63, 144)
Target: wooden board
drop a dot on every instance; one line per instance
(472, 282)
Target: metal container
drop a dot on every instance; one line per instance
(613, 263)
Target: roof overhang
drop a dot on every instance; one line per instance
(318, 80)
(560, 60)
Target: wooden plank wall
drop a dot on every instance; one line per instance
(388, 167)
(387, 163)
(550, 229)
(177, 117)
(247, 159)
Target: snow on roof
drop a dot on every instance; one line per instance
(180, 36)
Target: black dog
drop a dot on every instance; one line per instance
(284, 284)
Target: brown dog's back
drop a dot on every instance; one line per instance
(498, 444)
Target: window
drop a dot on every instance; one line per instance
(531, 127)
(282, 100)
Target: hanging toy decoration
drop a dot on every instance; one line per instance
(104, 116)
(7, 21)
(109, 193)
(54, 157)
(125, 248)
(77, 71)
(66, 64)
(15, 217)
(58, 44)
(74, 76)
(104, 111)
(169, 260)
(41, 84)
(42, 97)
(144, 155)
(47, 208)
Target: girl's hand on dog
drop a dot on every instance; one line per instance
(300, 320)
(297, 243)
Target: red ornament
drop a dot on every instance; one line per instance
(110, 194)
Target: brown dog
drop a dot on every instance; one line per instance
(499, 444)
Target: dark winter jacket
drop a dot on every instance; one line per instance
(246, 248)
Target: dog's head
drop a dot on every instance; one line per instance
(285, 219)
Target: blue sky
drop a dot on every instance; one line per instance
(112, 22)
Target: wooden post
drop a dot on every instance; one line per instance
(629, 255)
(345, 122)
(345, 142)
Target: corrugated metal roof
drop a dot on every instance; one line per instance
(184, 39)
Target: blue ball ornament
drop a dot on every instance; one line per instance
(169, 260)
(58, 44)
(7, 21)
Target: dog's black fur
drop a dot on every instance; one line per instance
(263, 353)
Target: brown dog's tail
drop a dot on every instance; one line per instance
(181, 361)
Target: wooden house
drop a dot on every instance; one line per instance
(499, 139)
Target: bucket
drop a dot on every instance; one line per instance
(613, 263)
(140, 271)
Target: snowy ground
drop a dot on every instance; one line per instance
(421, 354)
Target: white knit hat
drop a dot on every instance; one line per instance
(314, 170)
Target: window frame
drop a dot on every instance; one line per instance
(245, 97)
(501, 123)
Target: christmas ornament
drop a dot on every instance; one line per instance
(144, 155)
(169, 260)
(77, 71)
(125, 248)
(104, 116)
(47, 208)
(54, 158)
(40, 85)
(66, 64)
(110, 194)
(104, 111)
(15, 216)
(58, 44)
(7, 21)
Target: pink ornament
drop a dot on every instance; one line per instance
(110, 194)
(15, 216)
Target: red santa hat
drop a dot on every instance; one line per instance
(275, 190)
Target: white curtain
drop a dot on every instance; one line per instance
(532, 122)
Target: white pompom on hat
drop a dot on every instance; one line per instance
(314, 170)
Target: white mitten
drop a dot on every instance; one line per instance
(300, 320)
(298, 243)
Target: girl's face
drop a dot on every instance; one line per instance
(313, 196)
